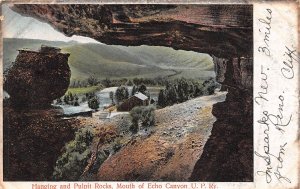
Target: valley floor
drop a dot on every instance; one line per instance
(166, 152)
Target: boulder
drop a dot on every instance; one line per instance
(37, 77)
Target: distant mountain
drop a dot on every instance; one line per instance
(110, 61)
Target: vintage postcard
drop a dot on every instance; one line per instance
(149, 94)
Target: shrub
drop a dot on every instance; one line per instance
(121, 93)
(58, 101)
(71, 163)
(90, 95)
(182, 90)
(172, 96)
(142, 88)
(134, 90)
(66, 99)
(162, 99)
(94, 103)
(83, 99)
(143, 115)
(76, 103)
(209, 86)
(92, 80)
(111, 96)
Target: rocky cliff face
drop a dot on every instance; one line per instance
(33, 133)
(228, 153)
(33, 140)
(222, 31)
(37, 77)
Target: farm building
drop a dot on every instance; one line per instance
(139, 99)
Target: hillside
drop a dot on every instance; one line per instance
(108, 61)
(167, 151)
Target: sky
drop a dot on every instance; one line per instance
(18, 26)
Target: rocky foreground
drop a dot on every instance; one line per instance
(169, 150)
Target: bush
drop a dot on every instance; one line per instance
(76, 103)
(142, 89)
(83, 99)
(72, 162)
(94, 103)
(143, 115)
(121, 93)
(172, 95)
(209, 87)
(134, 90)
(58, 101)
(111, 96)
(162, 99)
(92, 80)
(182, 90)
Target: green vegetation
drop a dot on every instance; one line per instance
(111, 96)
(84, 90)
(162, 98)
(143, 115)
(94, 103)
(72, 162)
(134, 90)
(69, 98)
(121, 94)
(182, 90)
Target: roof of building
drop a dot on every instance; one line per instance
(141, 96)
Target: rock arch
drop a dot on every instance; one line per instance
(224, 31)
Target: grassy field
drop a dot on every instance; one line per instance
(83, 90)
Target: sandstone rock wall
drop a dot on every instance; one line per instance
(224, 31)
(33, 140)
(37, 78)
(228, 153)
(33, 133)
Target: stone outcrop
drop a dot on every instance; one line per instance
(34, 133)
(33, 140)
(224, 31)
(38, 77)
(228, 153)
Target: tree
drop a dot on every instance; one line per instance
(183, 90)
(92, 80)
(66, 99)
(111, 96)
(172, 95)
(106, 82)
(134, 90)
(144, 115)
(94, 103)
(76, 103)
(129, 83)
(83, 99)
(162, 100)
(142, 89)
(121, 94)
(209, 86)
(58, 101)
(75, 157)
(71, 97)
(89, 95)
(198, 90)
